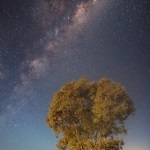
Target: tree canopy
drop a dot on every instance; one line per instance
(89, 115)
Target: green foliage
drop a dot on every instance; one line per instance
(90, 115)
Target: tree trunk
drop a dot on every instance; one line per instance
(77, 135)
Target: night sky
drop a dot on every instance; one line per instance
(46, 43)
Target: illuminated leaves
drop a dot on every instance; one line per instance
(89, 115)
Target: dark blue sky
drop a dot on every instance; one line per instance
(44, 44)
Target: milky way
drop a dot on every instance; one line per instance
(55, 25)
(60, 21)
(46, 43)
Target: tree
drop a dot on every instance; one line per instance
(89, 115)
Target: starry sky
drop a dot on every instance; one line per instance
(46, 43)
